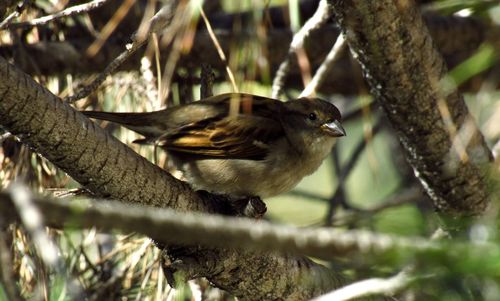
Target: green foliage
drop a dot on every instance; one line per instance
(405, 220)
(3, 296)
(481, 60)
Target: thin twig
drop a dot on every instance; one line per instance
(359, 111)
(496, 153)
(380, 286)
(358, 150)
(157, 53)
(110, 27)
(410, 195)
(159, 21)
(5, 136)
(97, 81)
(308, 195)
(346, 170)
(70, 11)
(369, 287)
(176, 16)
(33, 221)
(219, 50)
(325, 67)
(19, 9)
(182, 25)
(339, 197)
(319, 18)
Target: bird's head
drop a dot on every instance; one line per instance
(313, 116)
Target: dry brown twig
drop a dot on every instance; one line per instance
(320, 75)
(316, 21)
(70, 11)
(158, 23)
(219, 50)
(10, 18)
(408, 196)
(109, 28)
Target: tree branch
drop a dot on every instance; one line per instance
(5, 7)
(70, 11)
(317, 20)
(373, 286)
(404, 71)
(193, 228)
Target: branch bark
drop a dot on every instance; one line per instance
(405, 72)
(211, 230)
(110, 169)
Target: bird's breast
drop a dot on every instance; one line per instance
(279, 172)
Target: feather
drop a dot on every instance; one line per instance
(207, 128)
(239, 137)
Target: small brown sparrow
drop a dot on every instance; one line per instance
(240, 144)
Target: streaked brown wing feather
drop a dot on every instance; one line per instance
(238, 137)
(209, 127)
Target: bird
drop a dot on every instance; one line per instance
(239, 144)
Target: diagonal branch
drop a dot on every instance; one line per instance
(404, 71)
(70, 11)
(316, 21)
(374, 286)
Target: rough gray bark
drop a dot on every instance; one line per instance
(111, 169)
(405, 72)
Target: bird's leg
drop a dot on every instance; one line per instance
(180, 262)
(252, 207)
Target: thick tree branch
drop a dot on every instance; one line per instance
(192, 228)
(405, 72)
(170, 226)
(111, 169)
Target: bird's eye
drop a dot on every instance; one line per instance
(312, 116)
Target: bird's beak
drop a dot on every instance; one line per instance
(333, 129)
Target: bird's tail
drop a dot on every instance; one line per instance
(145, 124)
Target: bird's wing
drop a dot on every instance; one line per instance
(237, 137)
(231, 125)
